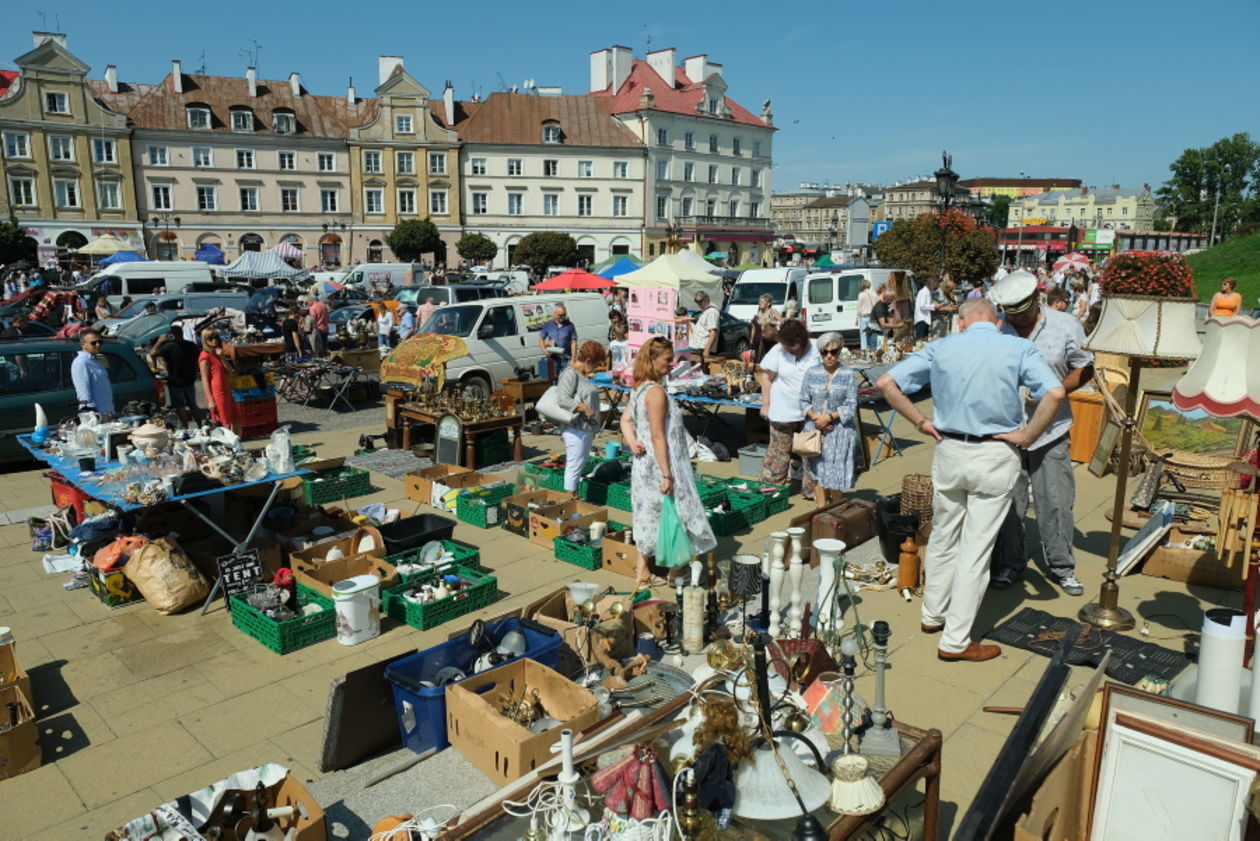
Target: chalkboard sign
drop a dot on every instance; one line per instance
(449, 447)
(238, 572)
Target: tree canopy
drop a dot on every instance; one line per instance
(13, 243)
(476, 248)
(1220, 179)
(915, 244)
(412, 238)
(546, 248)
(999, 210)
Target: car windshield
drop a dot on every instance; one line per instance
(453, 321)
(346, 314)
(263, 298)
(135, 330)
(133, 309)
(407, 296)
(750, 293)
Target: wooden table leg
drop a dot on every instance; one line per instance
(470, 452)
(517, 452)
(932, 801)
(406, 432)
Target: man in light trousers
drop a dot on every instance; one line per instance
(976, 377)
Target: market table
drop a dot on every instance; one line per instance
(407, 415)
(702, 407)
(69, 471)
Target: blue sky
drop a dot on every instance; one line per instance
(1109, 93)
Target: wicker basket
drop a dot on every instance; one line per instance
(1205, 472)
(916, 495)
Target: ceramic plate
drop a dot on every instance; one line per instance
(431, 552)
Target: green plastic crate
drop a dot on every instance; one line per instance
(464, 554)
(619, 496)
(491, 449)
(746, 511)
(596, 493)
(585, 556)
(552, 482)
(483, 508)
(284, 637)
(480, 592)
(336, 484)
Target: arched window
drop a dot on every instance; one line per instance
(198, 115)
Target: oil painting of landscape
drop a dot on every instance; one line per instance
(1168, 428)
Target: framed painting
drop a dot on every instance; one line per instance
(1107, 441)
(1195, 431)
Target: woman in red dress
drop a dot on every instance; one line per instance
(214, 379)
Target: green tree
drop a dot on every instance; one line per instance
(998, 211)
(546, 248)
(412, 238)
(14, 245)
(476, 248)
(915, 244)
(1220, 179)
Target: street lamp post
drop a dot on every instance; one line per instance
(164, 219)
(946, 183)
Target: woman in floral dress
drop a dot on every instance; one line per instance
(652, 425)
(829, 400)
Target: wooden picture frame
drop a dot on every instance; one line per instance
(1122, 698)
(1196, 432)
(1107, 440)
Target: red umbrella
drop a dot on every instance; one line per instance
(1075, 259)
(574, 279)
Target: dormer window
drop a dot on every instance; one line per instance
(198, 117)
(551, 133)
(242, 120)
(713, 105)
(283, 122)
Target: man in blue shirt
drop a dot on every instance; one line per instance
(91, 381)
(558, 333)
(976, 378)
(407, 326)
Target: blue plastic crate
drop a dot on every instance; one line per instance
(421, 709)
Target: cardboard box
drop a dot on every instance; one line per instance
(1059, 808)
(553, 611)
(112, 588)
(501, 748)
(620, 557)
(287, 792)
(1175, 561)
(296, 534)
(419, 485)
(517, 508)
(446, 491)
(546, 524)
(12, 673)
(19, 745)
(321, 575)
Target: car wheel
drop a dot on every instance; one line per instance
(741, 345)
(476, 387)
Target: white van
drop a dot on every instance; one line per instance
(502, 334)
(780, 284)
(515, 281)
(131, 280)
(365, 275)
(831, 298)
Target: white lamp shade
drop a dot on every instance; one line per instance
(1142, 325)
(761, 790)
(1225, 380)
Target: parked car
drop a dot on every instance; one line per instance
(189, 302)
(143, 331)
(34, 330)
(38, 371)
(734, 336)
(457, 293)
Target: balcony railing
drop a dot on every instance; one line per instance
(723, 222)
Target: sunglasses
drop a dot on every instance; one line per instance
(835, 351)
(93, 344)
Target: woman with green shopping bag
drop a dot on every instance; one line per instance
(662, 484)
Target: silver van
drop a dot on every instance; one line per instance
(190, 302)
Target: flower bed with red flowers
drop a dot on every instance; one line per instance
(1149, 273)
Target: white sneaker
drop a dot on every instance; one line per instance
(1071, 585)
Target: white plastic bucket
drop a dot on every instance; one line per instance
(358, 604)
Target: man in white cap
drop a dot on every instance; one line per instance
(1047, 463)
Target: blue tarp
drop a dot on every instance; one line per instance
(211, 254)
(622, 266)
(123, 257)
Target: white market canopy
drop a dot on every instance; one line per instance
(260, 264)
(684, 271)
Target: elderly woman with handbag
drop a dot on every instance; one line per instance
(577, 394)
(829, 401)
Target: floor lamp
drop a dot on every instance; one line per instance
(1225, 382)
(1139, 327)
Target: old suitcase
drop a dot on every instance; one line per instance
(854, 521)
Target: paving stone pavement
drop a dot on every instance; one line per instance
(136, 708)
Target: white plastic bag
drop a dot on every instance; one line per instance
(280, 451)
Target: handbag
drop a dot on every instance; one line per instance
(549, 407)
(807, 444)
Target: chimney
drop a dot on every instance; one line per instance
(295, 84)
(601, 70)
(111, 78)
(251, 81)
(621, 59)
(448, 103)
(694, 67)
(350, 97)
(647, 99)
(386, 65)
(42, 38)
(177, 76)
(662, 61)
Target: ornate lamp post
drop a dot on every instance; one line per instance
(164, 219)
(946, 183)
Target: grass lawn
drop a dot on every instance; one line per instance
(1236, 258)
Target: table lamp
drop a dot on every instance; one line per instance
(1139, 327)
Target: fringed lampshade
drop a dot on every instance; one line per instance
(1147, 326)
(1225, 380)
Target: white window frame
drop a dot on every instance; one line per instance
(551, 134)
(239, 118)
(329, 200)
(437, 163)
(249, 199)
(686, 209)
(372, 161)
(620, 206)
(326, 161)
(662, 170)
(662, 137)
(551, 167)
(733, 208)
(374, 196)
(27, 199)
(516, 204)
(405, 162)
(292, 159)
(517, 165)
(710, 208)
(756, 148)
(662, 206)
(56, 97)
(477, 166)
(17, 138)
(621, 169)
(754, 209)
(689, 171)
(480, 204)
(100, 144)
(713, 144)
(197, 156)
(253, 159)
(713, 174)
(71, 186)
(551, 204)
(404, 124)
(63, 141)
(756, 177)
(108, 195)
(735, 176)
(207, 198)
(283, 123)
(586, 169)
(297, 200)
(406, 199)
(585, 204)
(161, 196)
(203, 113)
(689, 140)
(439, 203)
(157, 156)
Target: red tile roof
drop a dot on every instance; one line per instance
(128, 95)
(7, 78)
(517, 118)
(1020, 182)
(681, 97)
